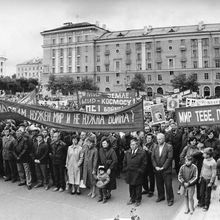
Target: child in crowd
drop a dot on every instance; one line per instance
(207, 178)
(102, 180)
(188, 175)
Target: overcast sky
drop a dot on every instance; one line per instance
(21, 21)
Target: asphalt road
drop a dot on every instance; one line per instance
(18, 203)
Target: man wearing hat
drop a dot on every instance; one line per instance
(41, 157)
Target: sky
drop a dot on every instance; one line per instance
(21, 21)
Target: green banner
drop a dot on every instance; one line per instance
(127, 119)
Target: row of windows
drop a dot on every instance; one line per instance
(61, 40)
(28, 74)
(29, 68)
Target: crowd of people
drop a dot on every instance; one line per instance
(38, 156)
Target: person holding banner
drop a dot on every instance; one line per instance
(162, 156)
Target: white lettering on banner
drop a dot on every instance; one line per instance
(118, 119)
(40, 115)
(118, 95)
(57, 117)
(109, 109)
(68, 118)
(76, 118)
(185, 117)
(115, 102)
(88, 101)
(204, 115)
(218, 113)
(93, 119)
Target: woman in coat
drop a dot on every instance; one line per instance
(74, 161)
(90, 165)
(108, 159)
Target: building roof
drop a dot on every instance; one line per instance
(71, 25)
(149, 31)
(32, 61)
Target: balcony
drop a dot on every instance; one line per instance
(128, 61)
(183, 47)
(128, 51)
(158, 60)
(107, 52)
(216, 45)
(183, 59)
(158, 48)
(107, 62)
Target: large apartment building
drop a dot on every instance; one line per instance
(30, 69)
(112, 58)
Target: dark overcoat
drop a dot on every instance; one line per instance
(108, 158)
(134, 165)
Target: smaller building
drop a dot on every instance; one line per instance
(2, 65)
(30, 69)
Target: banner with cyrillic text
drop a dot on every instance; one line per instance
(127, 119)
(197, 116)
(199, 102)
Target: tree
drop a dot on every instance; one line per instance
(138, 83)
(183, 83)
(87, 84)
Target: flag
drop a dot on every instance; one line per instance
(29, 98)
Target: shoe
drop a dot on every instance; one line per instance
(78, 192)
(186, 212)
(55, 189)
(205, 209)
(144, 192)
(21, 184)
(73, 192)
(199, 205)
(160, 199)
(150, 194)
(13, 180)
(38, 185)
(191, 213)
(90, 194)
(130, 202)
(100, 200)
(29, 187)
(137, 204)
(104, 201)
(170, 203)
(178, 192)
(93, 196)
(46, 187)
(61, 189)
(7, 179)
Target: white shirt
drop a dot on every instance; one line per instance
(161, 149)
(134, 152)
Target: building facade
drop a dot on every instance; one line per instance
(112, 58)
(30, 69)
(2, 66)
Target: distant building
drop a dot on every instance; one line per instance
(112, 58)
(30, 69)
(2, 65)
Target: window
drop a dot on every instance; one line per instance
(53, 70)
(182, 41)
(148, 55)
(61, 69)
(61, 61)
(70, 69)
(107, 67)
(149, 91)
(106, 47)
(149, 66)
(86, 48)
(206, 63)
(117, 74)
(170, 47)
(128, 45)
(171, 73)
(205, 42)
(138, 66)
(53, 53)
(98, 68)
(70, 39)
(216, 40)
(217, 54)
(217, 75)
(148, 45)
(117, 51)
(159, 66)
(107, 79)
(194, 42)
(117, 45)
(98, 58)
(194, 53)
(195, 64)
(86, 68)
(98, 48)
(160, 90)
(118, 82)
(206, 91)
(195, 76)
(61, 52)
(205, 53)
(170, 41)
(170, 63)
(78, 38)
(128, 78)
(148, 78)
(78, 69)
(70, 61)
(78, 61)
(78, 78)
(206, 76)
(117, 66)
(98, 79)
(183, 64)
(69, 52)
(53, 62)
(138, 46)
(157, 43)
(86, 59)
(78, 50)
(128, 67)
(217, 63)
(138, 56)
(53, 41)
(61, 40)
(86, 37)
(159, 77)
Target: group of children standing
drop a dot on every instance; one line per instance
(188, 177)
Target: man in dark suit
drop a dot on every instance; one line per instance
(162, 156)
(134, 165)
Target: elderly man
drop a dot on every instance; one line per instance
(134, 164)
(162, 156)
